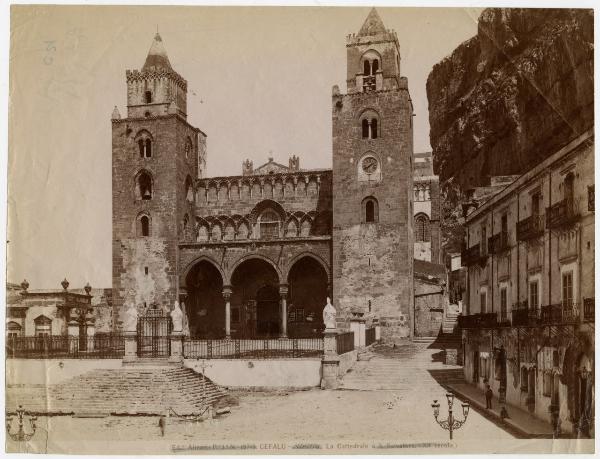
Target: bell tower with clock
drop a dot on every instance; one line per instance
(372, 185)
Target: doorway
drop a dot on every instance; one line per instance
(267, 311)
(476, 367)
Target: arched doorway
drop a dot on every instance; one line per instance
(308, 292)
(255, 309)
(205, 306)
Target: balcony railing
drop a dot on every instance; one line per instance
(481, 320)
(530, 228)
(563, 213)
(369, 83)
(472, 255)
(560, 313)
(589, 305)
(498, 243)
(522, 316)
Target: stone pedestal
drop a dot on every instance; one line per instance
(91, 332)
(130, 346)
(331, 362)
(176, 347)
(451, 357)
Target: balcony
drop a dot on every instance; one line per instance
(561, 214)
(472, 255)
(589, 305)
(522, 316)
(530, 228)
(482, 320)
(498, 243)
(557, 314)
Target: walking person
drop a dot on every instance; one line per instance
(488, 398)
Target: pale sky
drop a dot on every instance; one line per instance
(259, 81)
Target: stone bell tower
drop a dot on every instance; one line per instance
(372, 184)
(157, 155)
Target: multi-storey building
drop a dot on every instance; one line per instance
(427, 211)
(528, 318)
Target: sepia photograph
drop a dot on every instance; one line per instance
(310, 230)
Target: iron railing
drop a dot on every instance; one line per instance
(369, 336)
(589, 305)
(252, 348)
(65, 347)
(480, 320)
(560, 313)
(498, 243)
(369, 83)
(472, 255)
(522, 316)
(562, 213)
(345, 342)
(530, 228)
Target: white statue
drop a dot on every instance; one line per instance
(130, 318)
(186, 322)
(329, 315)
(177, 318)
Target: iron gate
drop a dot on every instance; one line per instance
(153, 332)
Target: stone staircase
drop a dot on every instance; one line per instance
(142, 391)
(419, 371)
(449, 323)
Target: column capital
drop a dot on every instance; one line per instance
(283, 290)
(227, 292)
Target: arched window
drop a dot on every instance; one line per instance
(365, 128)
(422, 231)
(144, 186)
(366, 68)
(148, 97)
(374, 66)
(144, 142)
(13, 330)
(269, 224)
(188, 147)
(370, 210)
(189, 189)
(369, 121)
(143, 226)
(43, 326)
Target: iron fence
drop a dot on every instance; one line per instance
(65, 347)
(252, 348)
(345, 342)
(369, 336)
(560, 313)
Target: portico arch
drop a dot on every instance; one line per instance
(255, 299)
(205, 305)
(308, 281)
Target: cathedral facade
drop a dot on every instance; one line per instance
(257, 254)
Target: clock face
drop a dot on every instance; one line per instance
(369, 165)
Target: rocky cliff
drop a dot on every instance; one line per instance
(512, 95)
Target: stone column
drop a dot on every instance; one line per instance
(227, 298)
(130, 338)
(331, 361)
(90, 332)
(283, 291)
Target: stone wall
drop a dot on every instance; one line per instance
(429, 307)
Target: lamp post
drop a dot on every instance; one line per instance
(451, 424)
(21, 434)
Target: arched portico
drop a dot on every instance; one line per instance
(205, 305)
(308, 281)
(256, 308)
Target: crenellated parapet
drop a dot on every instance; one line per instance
(137, 75)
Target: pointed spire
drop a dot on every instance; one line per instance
(157, 56)
(115, 114)
(373, 25)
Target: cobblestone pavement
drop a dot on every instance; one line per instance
(278, 422)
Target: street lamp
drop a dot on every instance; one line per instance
(21, 434)
(450, 423)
